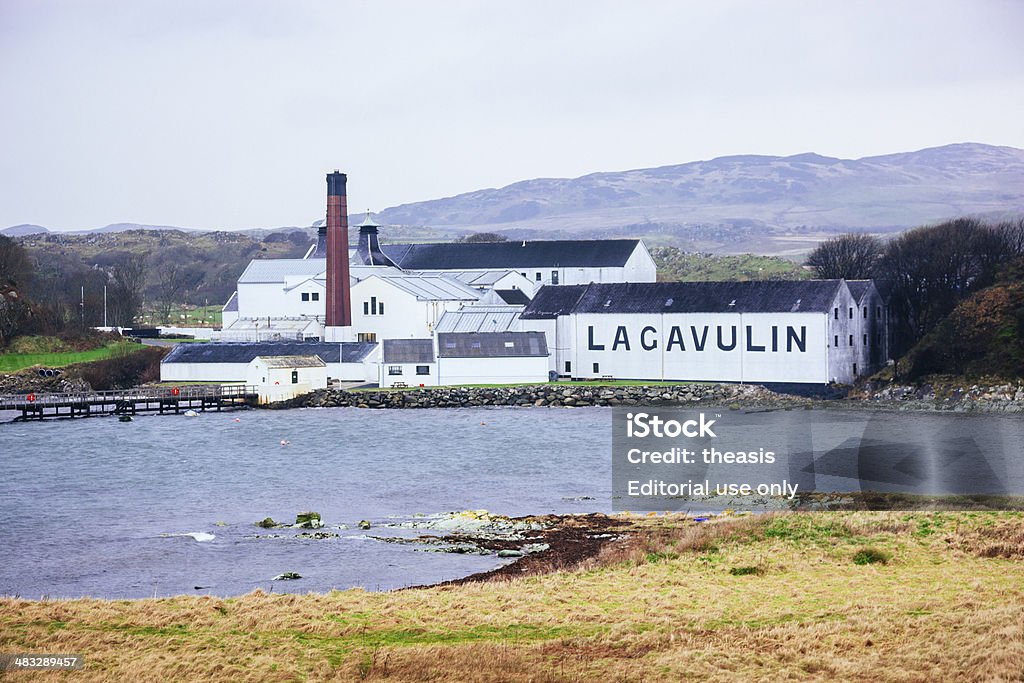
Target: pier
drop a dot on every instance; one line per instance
(161, 400)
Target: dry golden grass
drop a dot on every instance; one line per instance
(665, 605)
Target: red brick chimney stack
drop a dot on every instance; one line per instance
(339, 300)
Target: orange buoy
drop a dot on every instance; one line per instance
(175, 391)
(30, 398)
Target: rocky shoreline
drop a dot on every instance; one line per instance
(939, 396)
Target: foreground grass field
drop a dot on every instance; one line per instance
(825, 596)
(12, 362)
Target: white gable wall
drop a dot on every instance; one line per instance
(516, 370)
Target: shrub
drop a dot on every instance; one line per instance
(870, 556)
(125, 371)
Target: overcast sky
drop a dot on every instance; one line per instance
(228, 114)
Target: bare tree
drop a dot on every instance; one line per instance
(127, 280)
(173, 282)
(853, 256)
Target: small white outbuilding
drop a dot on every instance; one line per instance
(282, 377)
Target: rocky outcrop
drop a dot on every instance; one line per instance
(946, 394)
(554, 395)
(63, 380)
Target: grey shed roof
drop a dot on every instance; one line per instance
(408, 350)
(491, 344)
(292, 361)
(244, 352)
(479, 319)
(276, 270)
(762, 296)
(232, 304)
(512, 254)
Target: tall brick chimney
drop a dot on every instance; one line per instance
(339, 300)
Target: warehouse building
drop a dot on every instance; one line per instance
(230, 362)
(812, 331)
(452, 358)
(492, 357)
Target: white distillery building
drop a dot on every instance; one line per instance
(541, 262)
(812, 331)
(397, 306)
(231, 362)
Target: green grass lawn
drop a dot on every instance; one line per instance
(12, 362)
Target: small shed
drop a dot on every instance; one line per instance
(282, 377)
(409, 363)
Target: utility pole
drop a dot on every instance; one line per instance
(81, 307)
(104, 305)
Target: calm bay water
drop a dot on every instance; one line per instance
(86, 503)
(166, 505)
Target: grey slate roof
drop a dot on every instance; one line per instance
(243, 352)
(408, 350)
(858, 288)
(515, 297)
(232, 304)
(513, 254)
(762, 296)
(491, 344)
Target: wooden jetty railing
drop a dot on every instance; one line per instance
(130, 401)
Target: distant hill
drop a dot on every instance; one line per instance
(735, 204)
(124, 227)
(888, 192)
(23, 229)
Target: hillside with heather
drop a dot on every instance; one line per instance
(765, 204)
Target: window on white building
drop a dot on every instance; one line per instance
(315, 296)
(367, 337)
(422, 369)
(554, 277)
(305, 296)
(394, 369)
(597, 368)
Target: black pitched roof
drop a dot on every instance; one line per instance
(491, 344)
(552, 301)
(243, 352)
(408, 351)
(762, 296)
(512, 254)
(513, 297)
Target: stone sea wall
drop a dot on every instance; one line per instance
(539, 395)
(950, 396)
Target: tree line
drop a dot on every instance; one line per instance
(924, 272)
